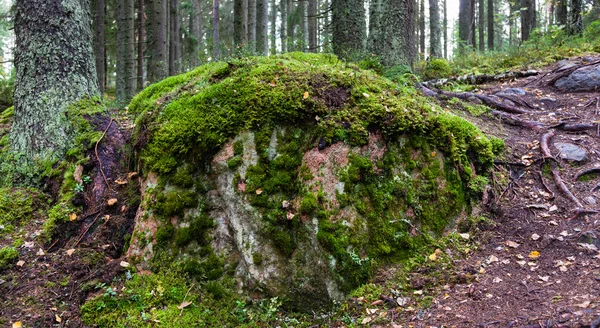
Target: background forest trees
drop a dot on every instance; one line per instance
(138, 42)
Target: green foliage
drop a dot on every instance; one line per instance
(308, 204)
(18, 206)
(436, 68)
(8, 255)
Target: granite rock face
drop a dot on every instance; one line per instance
(583, 79)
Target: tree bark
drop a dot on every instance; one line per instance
(528, 18)
(312, 26)
(283, 29)
(348, 25)
(196, 31)
(174, 39)
(157, 40)
(464, 24)
(375, 29)
(575, 22)
(490, 25)
(252, 24)
(240, 32)
(472, 21)
(215, 29)
(398, 18)
(291, 20)
(140, 45)
(303, 17)
(55, 66)
(99, 41)
(481, 26)
(435, 33)
(125, 83)
(561, 12)
(421, 28)
(273, 33)
(262, 25)
(445, 29)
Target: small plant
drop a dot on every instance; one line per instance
(87, 179)
(78, 187)
(241, 313)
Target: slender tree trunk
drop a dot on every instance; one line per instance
(283, 30)
(327, 27)
(174, 38)
(303, 16)
(125, 86)
(215, 29)
(375, 28)
(291, 20)
(575, 22)
(157, 40)
(472, 28)
(262, 27)
(464, 24)
(239, 28)
(561, 12)
(481, 27)
(273, 33)
(348, 25)
(528, 18)
(196, 31)
(252, 24)
(421, 28)
(99, 48)
(398, 18)
(490, 25)
(445, 29)
(50, 75)
(435, 33)
(551, 10)
(140, 45)
(312, 26)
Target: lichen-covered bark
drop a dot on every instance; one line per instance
(55, 66)
(397, 19)
(375, 30)
(349, 27)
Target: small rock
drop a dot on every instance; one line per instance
(512, 92)
(549, 102)
(590, 200)
(583, 79)
(571, 152)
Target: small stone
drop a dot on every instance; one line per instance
(590, 200)
(512, 92)
(549, 102)
(571, 152)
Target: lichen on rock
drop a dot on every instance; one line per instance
(296, 175)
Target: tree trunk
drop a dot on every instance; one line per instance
(252, 24)
(375, 29)
(215, 27)
(125, 84)
(481, 27)
(99, 48)
(303, 16)
(140, 45)
(283, 29)
(157, 39)
(435, 33)
(398, 18)
(55, 66)
(561, 12)
(273, 33)
(327, 27)
(174, 39)
(490, 25)
(464, 24)
(196, 31)
(472, 29)
(262, 27)
(239, 28)
(348, 25)
(528, 18)
(575, 22)
(421, 28)
(291, 19)
(312, 26)
(445, 29)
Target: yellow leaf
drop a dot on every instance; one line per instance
(58, 319)
(433, 154)
(305, 95)
(17, 324)
(259, 191)
(534, 254)
(70, 251)
(131, 175)
(183, 305)
(112, 201)
(433, 257)
(121, 181)
(72, 217)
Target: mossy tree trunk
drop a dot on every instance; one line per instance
(174, 39)
(435, 32)
(397, 40)
(349, 27)
(240, 32)
(195, 20)
(422, 28)
(55, 66)
(156, 11)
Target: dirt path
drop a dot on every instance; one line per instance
(539, 266)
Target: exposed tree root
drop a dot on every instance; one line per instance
(563, 187)
(544, 144)
(545, 185)
(587, 171)
(480, 79)
(575, 127)
(581, 212)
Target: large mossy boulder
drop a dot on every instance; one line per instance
(296, 175)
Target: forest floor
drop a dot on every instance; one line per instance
(535, 264)
(538, 265)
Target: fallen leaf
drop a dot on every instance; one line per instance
(497, 280)
(418, 292)
(72, 217)
(372, 311)
(464, 236)
(433, 257)
(131, 175)
(534, 254)
(535, 236)
(583, 305)
(285, 204)
(521, 263)
(492, 259)
(241, 187)
(564, 233)
(40, 252)
(20, 263)
(58, 319)
(28, 244)
(259, 191)
(544, 278)
(563, 268)
(71, 251)
(366, 321)
(183, 305)
(17, 324)
(290, 215)
(377, 302)
(366, 95)
(111, 201)
(305, 96)
(78, 174)
(402, 301)
(553, 208)
(512, 244)
(124, 264)
(554, 223)
(120, 182)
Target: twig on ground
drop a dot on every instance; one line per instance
(86, 231)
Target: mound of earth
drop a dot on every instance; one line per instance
(296, 175)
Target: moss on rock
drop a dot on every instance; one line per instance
(298, 174)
